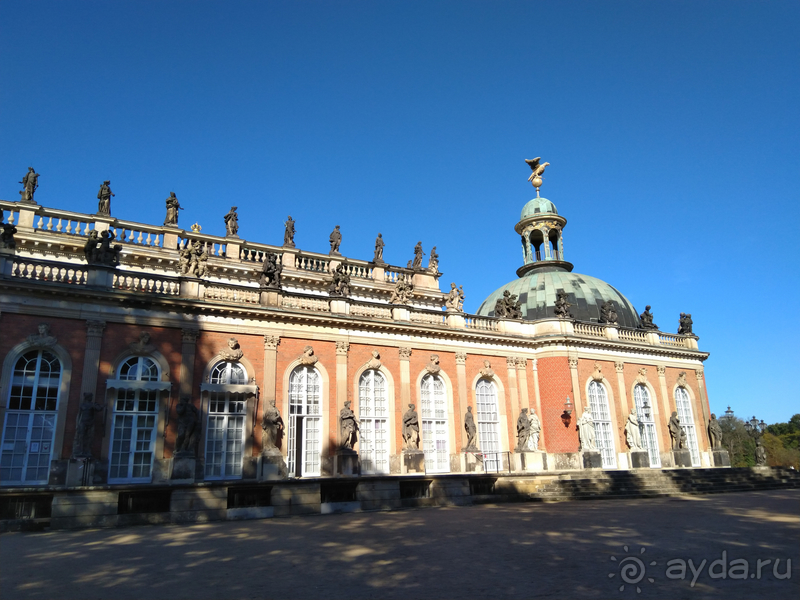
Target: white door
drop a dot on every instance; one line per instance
(435, 436)
(683, 405)
(598, 403)
(133, 436)
(30, 420)
(647, 426)
(305, 423)
(374, 430)
(488, 425)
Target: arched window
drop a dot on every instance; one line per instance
(683, 405)
(373, 414)
(435, 435)
(488, 424)
(133, 435)
(305, 422)
(644, 410)
(227, 408)
(598, 404)
(30, 420)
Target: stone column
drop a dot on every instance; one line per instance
(463, 398)
(576, 385)
(623, 393)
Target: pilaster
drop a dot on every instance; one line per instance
(623, 392)
(342, 348)
(576, 385)
(188, 349)
(405, 377)
(463, 398)
(270, 369)
(91, 357)
(511, 369)
(538, 400)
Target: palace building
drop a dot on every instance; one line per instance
(143, 356)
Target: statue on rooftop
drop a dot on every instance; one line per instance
(7, 235)
(288, 233)
(508, 307)
(562, 306)
(104, 197)
(685, 324)
(29, 183)
(271, 271)
(537, 171)
(401, 294)
(173, 206)
(646, 319)
(379, 244)
(231, 223)
(335, 240)
(418, 254)
(608, 313)
(433, 263)
(202, 264)
(340, 286)
(99, 249)
(454, 300)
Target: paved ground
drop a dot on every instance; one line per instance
(505, 551)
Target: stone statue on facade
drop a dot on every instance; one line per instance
(233, 352)
(418, 254)
(84, 427)
(231, 223)
(433, 262)
(272, 425)
(451, 301)
(523, 430)
(586, 431)
(188, 426)
(186, 262)
(411, 429)
(271, 272)
(340, 285)
(471, 429)
(487, 371)
(374, 362)
(349, 426)
(761, 453)
(646, 319)
(307, 357)
(29, 184)
(535, 430)
(379, 245)
(173, 206)
(508, 307)
(562, 306)
(608, 313)
(288, 233)
(676, 433)
(7, 235)
(42, 338)
(99, 249)
(401, 294)
(537, 171)
(202, 264)
(714, 432)
(633, 433)
(433, 366)
(336, 240)
(685, 324)
(104, 199)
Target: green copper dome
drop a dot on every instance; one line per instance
(538, 206)
(537, 293)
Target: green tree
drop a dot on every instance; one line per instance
(782, 441)
(740, 445)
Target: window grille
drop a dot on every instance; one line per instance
(598, 403)
(488, 425)
(647, 426)
(683, 405)
(435, 436)
(373, 415)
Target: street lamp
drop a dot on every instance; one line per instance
(754, 427)
(566, 416)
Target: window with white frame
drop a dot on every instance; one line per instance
(488, 424)
(227, 410)
(647, 426)
(373, 414)
(598, 404)
(435, 435)
(30, 420)
(133, 435)
(683, 404)
(305, 422)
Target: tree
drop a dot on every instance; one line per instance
(740, 445)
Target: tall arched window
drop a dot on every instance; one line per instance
(488, 424)
(683, 404)
(305, 422)
(647, 426)
(30, 421)
(133, 435)
(598, 403)
(373, 414)
(227, 408)
(435, 436)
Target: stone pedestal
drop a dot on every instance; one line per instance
(530, 462)
(99, 276)
(270, 297)
(183, 467)
(682, 459)
(80, 471)
(639, 459)
(271, 465)
(413, 461)
(401, 313)
(470, 462)
(721, 458)
(347, 463)
(591, 459)
(340, 306)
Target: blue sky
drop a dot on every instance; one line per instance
(671, 129)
